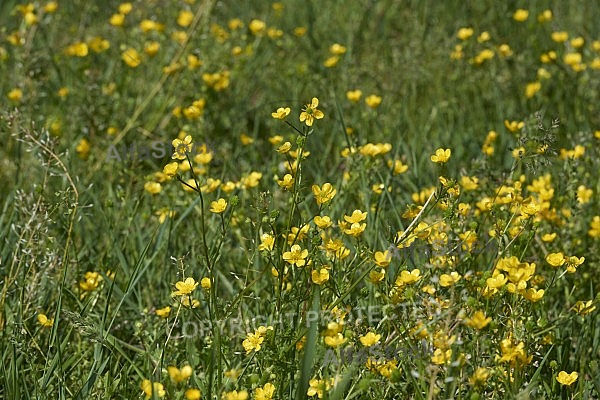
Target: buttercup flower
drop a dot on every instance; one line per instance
(311, 112)
(281, 113)
(182, 147)
(193, 394)
(373, 100)
(441, 156)
(265, 393)
(163, 312)
(567, 379)
(185, 287)
(521, 15)
(149, 388)
(370, 339)
(218, 206)
(324, 193)
(319, 277)
(354, 95)
(44, 321)
(296, 256)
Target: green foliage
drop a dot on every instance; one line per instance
(422, 222)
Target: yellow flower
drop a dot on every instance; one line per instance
(193, 394)
(331, 61)
(171, 169)
(252, 180)
(407, 278)
(98, 45)
(149, 388)
(79, 49)
(513, 126)
(357, 216)
(533, 295)
(560, 36)
(567, 379)
(478, 320)
(573, 262)
(376, 276)
(318, 386)
(235, 395)
(256, 26)
(179, 375)
(496, 282)
(284, 148)
(548, 237)
(311, 112)
(532, 88)
(299, 31)
(15, 95)
(253, 342)
(182, 147)
(320, 277)
(584, 307)
(117, 19)
(441, 156)
(266, 242)
(521, 15)
(44, 321)
(91, 281)
(193, 62)
(483, 37)
(355, 229)
(163, 312)
(265, 393)
(205, 283)
(218, 206)
(281, 113)
(337, 49)
(296, 256)
(335, 340)
(440, 356)
(469, 183)
(151, 48)
(572, 58)
(370, 339)
(188, 302)
(545, 16)
(513, 353)
(185, 18)
(584, 194)
(50, 7)
(185, 287)
(383, 258)
(323, 222)
(577, 42)
(447, 280)
(464, 33)
(324, 193)
(354, 95)
(519, 152)
(479, 376)
(373, 100)
(152, 187)
(287, 182)
(131, 57)
(556, 259)
(125, 8)
(235, 24)
(398, 167)
(148, 25)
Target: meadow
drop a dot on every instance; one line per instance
(376, 199)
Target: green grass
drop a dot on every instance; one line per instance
(82, 243)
